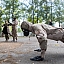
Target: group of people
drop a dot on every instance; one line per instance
(7, 32)
(42, 32)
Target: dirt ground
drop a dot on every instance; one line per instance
(21, 51)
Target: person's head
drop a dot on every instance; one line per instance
(25, 26)
(14, 19)
(50, 21)
(6, 21)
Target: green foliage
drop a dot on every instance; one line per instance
(1, 12)
(41, 8)
(38, 10)
(29, 18)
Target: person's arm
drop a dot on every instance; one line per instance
(9, 24)
(3, 25)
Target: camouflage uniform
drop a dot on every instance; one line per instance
(14, 30)
(42, 32)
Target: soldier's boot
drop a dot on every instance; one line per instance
(37, 58)
(38, 50)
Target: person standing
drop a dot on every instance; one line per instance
(6, 30)
(14, 29)
(50, 23)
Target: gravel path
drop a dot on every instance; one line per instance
(21, 51)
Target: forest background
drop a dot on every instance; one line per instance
(35, 11)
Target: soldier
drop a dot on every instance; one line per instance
(50, 23)
(14, 29)
(42, 32)
(6, 30)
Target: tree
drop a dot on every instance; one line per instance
(1, 12)
(11, 8)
